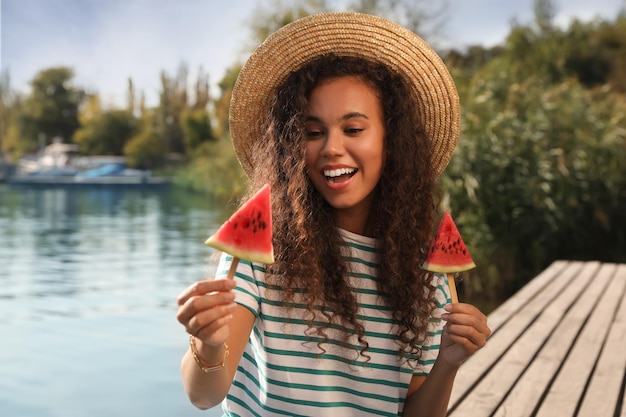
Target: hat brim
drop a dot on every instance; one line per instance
(350, 34)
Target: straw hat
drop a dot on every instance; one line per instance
(355, 35)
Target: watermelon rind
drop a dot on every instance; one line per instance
(252, 256)
(433, 267)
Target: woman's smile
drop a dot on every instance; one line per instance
(339, 175)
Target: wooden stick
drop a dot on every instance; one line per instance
(452, 285)
(233, 268)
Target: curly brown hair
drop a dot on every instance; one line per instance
(306, 241)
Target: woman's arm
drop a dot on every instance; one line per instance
(429, 396)
(207, 310)
(465, 332)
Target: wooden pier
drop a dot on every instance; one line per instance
(558, 349)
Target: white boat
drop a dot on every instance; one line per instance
(60, 164)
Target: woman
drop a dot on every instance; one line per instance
(356, 118)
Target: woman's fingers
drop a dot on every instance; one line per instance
(458, 321)
(199, 303)
(209, 322)
(470, 336)
(206, 305)
(466, 326)
(205, 287)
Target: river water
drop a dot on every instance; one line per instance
(88, 282)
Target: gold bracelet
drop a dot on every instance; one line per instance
(206, 368)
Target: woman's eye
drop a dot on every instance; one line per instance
(312, 134)
(353, 131)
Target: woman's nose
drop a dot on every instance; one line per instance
(333, 144)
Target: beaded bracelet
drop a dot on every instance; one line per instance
(200, 362)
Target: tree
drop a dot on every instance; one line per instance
(537, 175)
(173, 100)
(596, 52)
(426, 18)
(265, 21)
(51, 110)
(104, 132)
(202, 96)
(10, 108)
(146, 149)
(5, 107)
(195, 120)
(131, 97)
(197, 128)
(221, 105)
(545, 10)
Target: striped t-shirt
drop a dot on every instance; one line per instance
(283, 372)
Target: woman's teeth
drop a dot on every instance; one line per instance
(332, 174)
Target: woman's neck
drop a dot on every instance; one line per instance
(353, 222)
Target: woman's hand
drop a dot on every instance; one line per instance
(205, 309)
(465, 332)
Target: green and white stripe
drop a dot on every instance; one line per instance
(283, 372)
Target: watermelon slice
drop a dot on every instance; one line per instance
(248, 233)
(448, 252)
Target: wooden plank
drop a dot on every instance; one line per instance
(478, 365)
(548, 309)
(564, 394)
(535, 380)
(514, 304)
(602, 396)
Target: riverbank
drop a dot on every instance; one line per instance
(140, 180)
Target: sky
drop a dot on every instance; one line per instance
(106, 42)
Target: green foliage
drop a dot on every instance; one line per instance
(173, 101)
(196, 127)
(537, 175)
(596, 53)
(267, 20)
(423, 17)
(11, 144)
(51, 110)
(222, 103)
(591, 52)
(213, 169)
(10, 108)
(145, 150)
(544, 14)
(106, 132)
(4, 106)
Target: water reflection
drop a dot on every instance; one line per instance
(65, 242)
(88, 280)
